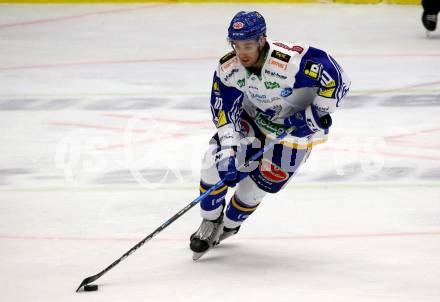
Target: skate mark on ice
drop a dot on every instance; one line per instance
(238, 239)
(83, 15)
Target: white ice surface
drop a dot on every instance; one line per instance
(104, 117)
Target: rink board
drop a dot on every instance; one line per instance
(359, 222)
(414, 2)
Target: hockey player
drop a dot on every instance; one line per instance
(260, 89)
(431, 8)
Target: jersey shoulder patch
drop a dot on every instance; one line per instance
(227, 57)
(295, 48)
(313, 69)
(280, 56)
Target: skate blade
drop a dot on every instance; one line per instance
(429, 34)
(197, 256)
(225, 236)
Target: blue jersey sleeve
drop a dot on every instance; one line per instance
(319, 69)
(226, 104)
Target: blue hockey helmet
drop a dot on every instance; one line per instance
(246, 26)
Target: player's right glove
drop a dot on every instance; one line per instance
(226, 161)
(308, 121)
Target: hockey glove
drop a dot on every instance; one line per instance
(308, 121)
(226, 162)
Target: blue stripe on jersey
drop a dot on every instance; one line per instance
(343, 87)
(339, 83)
(228, 99)
(315, 57)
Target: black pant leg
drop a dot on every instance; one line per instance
(431, 7)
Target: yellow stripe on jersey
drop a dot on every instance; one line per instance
(221, 119)
(213, 192)
(237, 206)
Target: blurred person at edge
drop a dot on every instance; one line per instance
(431, 8)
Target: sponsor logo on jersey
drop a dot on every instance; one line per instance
(227, 57)
(215, 86)
(231, 73)
(258, 96)
(274, 111)
(216, 201)
(272, 172)
(313, 70)
(327, 92)
(264, 123)
(240, 82)
(222, 139)
(312, 125)
(321, 108)
(262, 183)
(275, 74)
(221, 117)
(278, 64)
(245, 127)
(271, 85)
(242, 217)
(228, 64)
(286, 92)
(280, 56)
(238, 25)
(295, 48)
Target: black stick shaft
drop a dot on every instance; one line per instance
(219, 184)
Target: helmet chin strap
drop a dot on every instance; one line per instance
(260, 53)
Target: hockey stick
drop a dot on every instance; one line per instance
(216, 186)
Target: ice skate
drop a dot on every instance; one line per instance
(227, 232)
(429, 22)
(206, 237)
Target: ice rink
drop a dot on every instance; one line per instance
(104, 116)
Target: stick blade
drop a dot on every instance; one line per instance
(87, 281)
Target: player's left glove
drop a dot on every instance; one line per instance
(226, 161)
(308, 121)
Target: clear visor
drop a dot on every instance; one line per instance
(245, 46)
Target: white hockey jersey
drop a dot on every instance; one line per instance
(293, 76)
